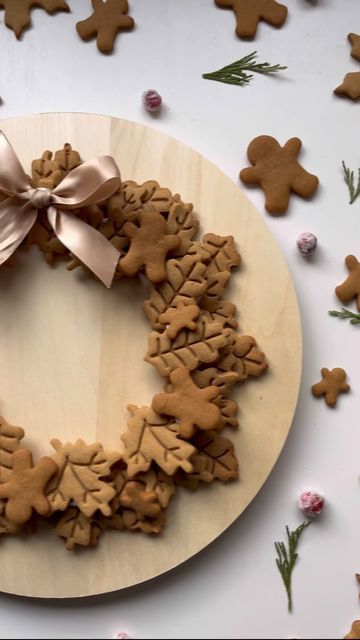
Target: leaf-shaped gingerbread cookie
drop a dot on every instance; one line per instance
(81, 469)
(10, 438)
(151, 438)
(185, 280)
(215, 460)
(189, 347)
(77, 529)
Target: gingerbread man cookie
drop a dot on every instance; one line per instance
(182, 316)
(354, 40)
(354, 634)
(192, 406)
(277, 171)
(331, 385)
(350, 87)
(108, 19)
(350, 289)
(25, 487)
(17, 12)
(249, 13)
(149, 247)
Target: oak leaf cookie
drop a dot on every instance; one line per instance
(24, 489)
(354, 40)
(192, 406)
(107, 20)
(17, 12)
(331, 385)
(249, 13)
(350, 289)
(277, 171)
(350, 87)
(150, 244)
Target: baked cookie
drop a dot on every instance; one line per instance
(350, 289)
(249, 13)
(332, 384)
(277, 171)
(107, 20)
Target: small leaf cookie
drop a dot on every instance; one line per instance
(184, 279)
(189, 348)
(350, 289)
(17, 12)
(152, 438)
(242, 356)
(215, 460)
(350, 87)
(107, 20)
(24, 489)
(10, 438)
(249, 13)
(76, 529)
(331, 385)
(192, 406)
(149, 247)
(79, 478)
(277, 171)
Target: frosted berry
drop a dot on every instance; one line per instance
(311, 503)
(307, 243)
(152, 101)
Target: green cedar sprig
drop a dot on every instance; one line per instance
(349, 178)
(287, 558)
(235, 73)
(346, 314)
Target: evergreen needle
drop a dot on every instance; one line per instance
(346, 314)
(235, 73)
(286, 559)
(350, 181)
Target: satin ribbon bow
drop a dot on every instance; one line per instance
(91, 183)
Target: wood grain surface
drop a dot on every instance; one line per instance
(72, 352)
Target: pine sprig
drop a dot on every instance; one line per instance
(286, 559)
(346, 314)
(235, 73)
(349, 178)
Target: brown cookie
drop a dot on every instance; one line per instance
(77, 530)
(350, 289)
(354, 40)
(354, 634)
(189, 348)
(350, 87)
(249, 13)
(192, 406)
(214, 459)
(182, 316)
(46, 172)
(17, 12)
(81, 469)
(277, 171)
(150, 244)
(331, 385)
(143, 503)
(25, 487)
(107, 20)
(152, 438)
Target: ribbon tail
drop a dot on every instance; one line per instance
(15, 224)
(87, 244)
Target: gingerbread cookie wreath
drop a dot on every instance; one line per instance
(82, 212)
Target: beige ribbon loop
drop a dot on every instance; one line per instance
(92, 182)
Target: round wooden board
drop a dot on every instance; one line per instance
(72, 359)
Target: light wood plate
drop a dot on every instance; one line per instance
(71, 356)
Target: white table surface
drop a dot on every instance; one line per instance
(232, 589)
